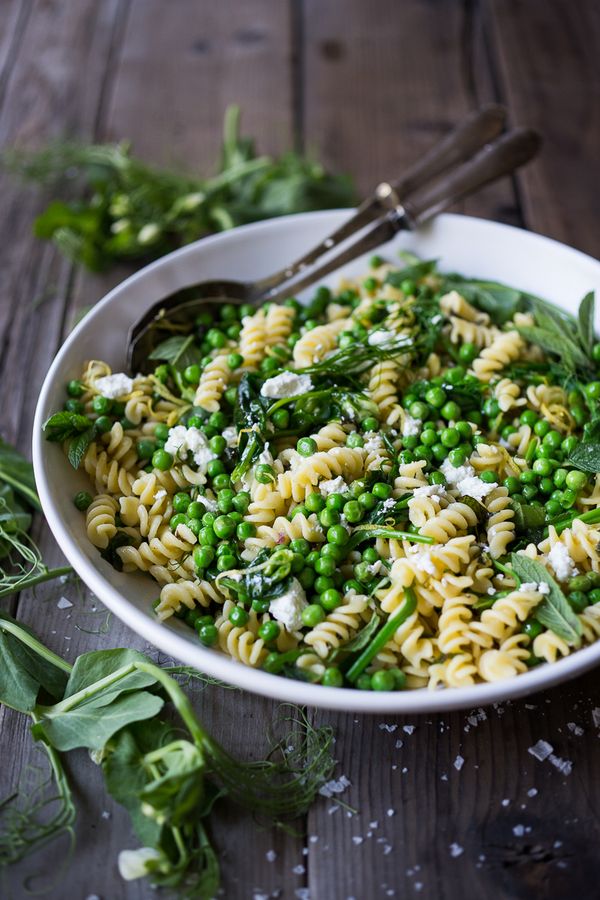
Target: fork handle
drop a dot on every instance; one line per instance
(460, 144)
(500, 158)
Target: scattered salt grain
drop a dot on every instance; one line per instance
(302, 893)
(577, 730)
(299, 869)
(519, 830)
(374, 823)
(456, 850)
(389, 728)
(63, 603)
(408, 729)
(357, 839)
(505, 802)
(541, 750)
(444, 777)
(399, 744)
(459, 763)
(390, 813)
(270, 856)
(334, 786)
(563, 765)
(105, 814)
(532, 792)
(387, 849)
(596, 716)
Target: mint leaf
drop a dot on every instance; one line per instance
(411, 273)
(585, 322)
(78, 446)
(554, 610)
(178, 350)
(64, 425)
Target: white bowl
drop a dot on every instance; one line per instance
(472, 246)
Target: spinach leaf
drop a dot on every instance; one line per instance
(85, 726)
(585, 322)
(178, 350)
(267, 580)
(554, 611)
(64, 425)
(18, 472)
(250, 419)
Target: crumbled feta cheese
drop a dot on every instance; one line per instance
(377, 338)
(454, 474)
(211, 505)
(113, 386)
(231, 436)
(266, 457)
(287, 384)
(561, 562)
(474, 487)
(375, 568)
(182, 440)
(410, 426)
(287, 608)
(422, 559)
(373, 441)
(333, 486)
(430, 490)
(541, 588)
(388, 504)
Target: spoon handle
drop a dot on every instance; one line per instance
(459, 144)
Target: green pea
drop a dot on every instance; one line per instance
(245, 530)
(312, 614)
(281, 418)
(592, 390)
(161, 432)
(405, 457)
(354, 440)
(491, 407)
(325, 565)
(306, 577)
(269, 631)
(75, 388)
(231, 395)
(334, 551)
(145, 448)
(208, 634)
(383, 680)
(450, 437)
(332, 677)
(367, 500)
(335, 501)
(451, 411)
(381, 490)
(576, 480)
(358, 487)
(306, 446)
(238, 616)
(337, 535)
(532, 628)
(541, 428)
(241, 501)
(176, 520)
(101, 405)
(428, 437)
(541, 467)
(323, 583)
(553, 508)
(224, 526)
(226, 562)
(546, 485)
(530, 491)
(457, 457)
(528, 417)
(217, 444)
(436, 397)
(369, 424)
(181, 502)
(191, 374)
(439, 451)
(596, 352)
(82, 500)
(203, 556)
(315, 503)
(208, 537)
(329, 517)
(162, 460)
(269, 365)
(265, 473)
(578, 600)
(353, 511)
(74, 406)
(331, 599)
(363, 682)
(260, 606)
(299, 510)
(467, 353)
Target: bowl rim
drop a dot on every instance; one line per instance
(223, 667)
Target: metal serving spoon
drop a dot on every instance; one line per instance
(397, 206)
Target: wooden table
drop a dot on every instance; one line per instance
(448, 806)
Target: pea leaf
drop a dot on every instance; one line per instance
(78, 446)
(91, 667)
(18, 472)
(179, 351)
(585, 322)
(23, 672)
(554, 610)
(64, 425)
(83, 726)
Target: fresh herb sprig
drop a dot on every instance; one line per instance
(554, 611)
(134, 211)
(110, 702)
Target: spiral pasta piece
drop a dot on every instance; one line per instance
(100, 520)
(212, 384)
(317, 343)
(503, 350)
(338, 626)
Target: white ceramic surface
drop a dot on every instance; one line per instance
(472, 246)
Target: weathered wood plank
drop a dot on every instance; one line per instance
(548, 72)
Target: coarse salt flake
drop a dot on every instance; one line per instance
(459, 763)
(63, 603)
(456, 850)
(334, 786)
(541, 750)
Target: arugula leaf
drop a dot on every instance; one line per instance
(585, 322)
(64, 425)
(85, 726)
(18, 472)
(554, 611)
(178, 350)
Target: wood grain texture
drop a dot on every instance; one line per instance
(547, 66)
(369, 87)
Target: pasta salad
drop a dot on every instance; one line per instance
(393, 486)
